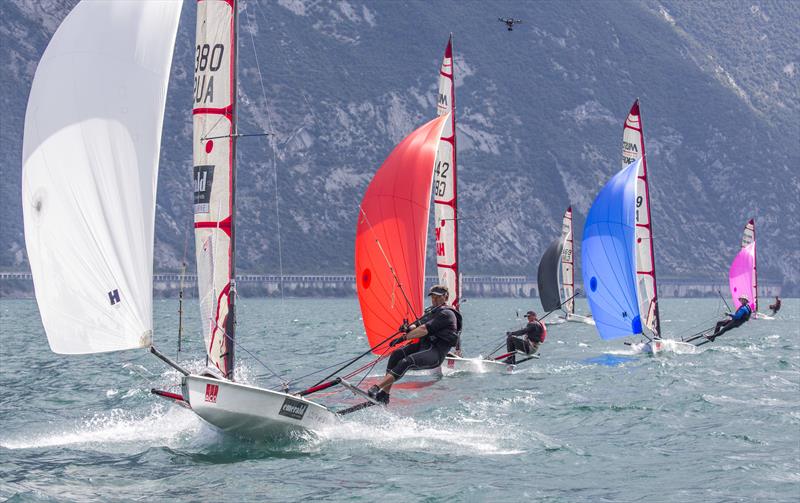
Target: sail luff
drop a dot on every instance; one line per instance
(567, 263)
(445, 189)
(633, 148)
(214, 152)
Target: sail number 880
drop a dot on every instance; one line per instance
(208, 57)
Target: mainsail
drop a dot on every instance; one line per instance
(748, 238)
(567, 263)
(608, 256)
(391, 234)
(558, 258)
(740, 275)
(89, 172)
(214, 176)
(632, 150)
(444, 184)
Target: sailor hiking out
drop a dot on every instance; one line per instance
(526, 340)
(738, 319)
(776, 306)
(436, 333)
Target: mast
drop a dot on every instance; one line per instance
(646, 286)
(214, 149)
(748, 237)
(567, 262)
(444, 183)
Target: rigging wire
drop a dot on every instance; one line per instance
(273, 148)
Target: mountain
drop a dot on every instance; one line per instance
(540, 113)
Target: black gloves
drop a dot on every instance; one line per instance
(395, 342)
(404, 328)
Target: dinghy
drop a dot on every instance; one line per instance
(617, 251)
(555, 276)
(90, 166)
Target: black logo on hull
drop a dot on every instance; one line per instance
(293, 408)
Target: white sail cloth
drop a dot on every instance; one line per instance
(90, 164)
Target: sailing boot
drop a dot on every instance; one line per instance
(382, 397)
(373, 391)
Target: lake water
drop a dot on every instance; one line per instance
(588, 422)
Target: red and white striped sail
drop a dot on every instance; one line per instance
(748, 237)
(214, 155)
(567, 263)
(444, 184)
(632, 150)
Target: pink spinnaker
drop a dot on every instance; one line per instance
(741, 275)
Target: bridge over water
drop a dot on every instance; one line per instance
(342, 285)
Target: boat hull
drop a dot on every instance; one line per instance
(476, 365)
(576, 318)
(659, 346)
(251, 411)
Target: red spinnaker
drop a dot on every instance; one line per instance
(391, 235)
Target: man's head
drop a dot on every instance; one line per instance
(531, 315)
(744, 300)
(439, 294)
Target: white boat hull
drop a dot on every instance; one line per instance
(658, 346)
(251, 411)
(576, 318)
(477, 365)
(763, 316)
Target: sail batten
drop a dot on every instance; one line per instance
(90, 168)
(445, 192)
(633, 149)
(214, 152)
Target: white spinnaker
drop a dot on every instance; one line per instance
(89, 172)
(213, 174)
(567, 263)
(444, 185)
(632, 150)
(749, 236)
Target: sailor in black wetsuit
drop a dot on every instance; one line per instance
(776, 306)
(436, 334)
(737, 319)
(529, 344)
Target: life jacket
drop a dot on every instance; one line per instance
(544, 331)
(746, 316)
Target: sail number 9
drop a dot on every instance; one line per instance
(208, 57)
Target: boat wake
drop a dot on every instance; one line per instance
(161, 424)
(388, 431)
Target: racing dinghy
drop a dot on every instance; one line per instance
(617, 251)
(90, 167)
(556, 273)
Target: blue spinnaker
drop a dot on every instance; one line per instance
(609, 260)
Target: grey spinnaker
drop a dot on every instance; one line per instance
(547, 276)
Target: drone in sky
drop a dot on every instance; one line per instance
(510, 22)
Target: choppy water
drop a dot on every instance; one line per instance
(587, 422)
